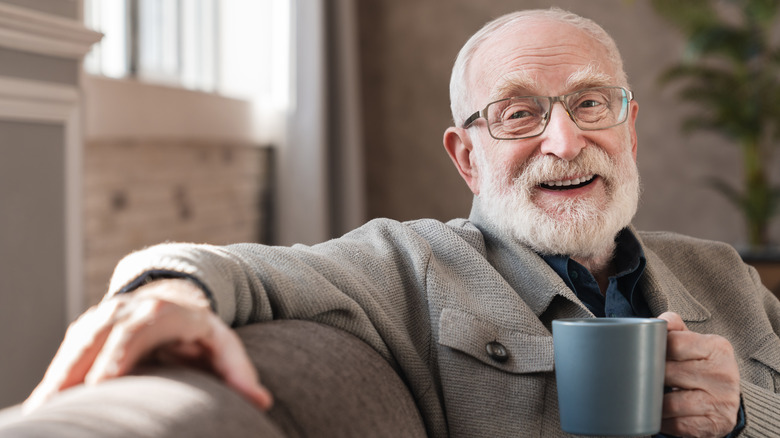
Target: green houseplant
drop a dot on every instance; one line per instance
(730, 72)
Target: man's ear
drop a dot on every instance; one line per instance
(632, 115)
(461, 151)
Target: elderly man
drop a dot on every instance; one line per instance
(545, 137)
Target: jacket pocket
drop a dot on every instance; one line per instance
(509, 350)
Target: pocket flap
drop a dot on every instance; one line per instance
(768, 352)
(525, 353)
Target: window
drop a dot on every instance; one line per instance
(237, 48)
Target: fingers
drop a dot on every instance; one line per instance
(703, 372)
(683, 426)
(73, 360)
(685, 345)
(696, 413)
(232, 363)
(185, 336)
(226, 358)
(673, 321)
(147, 325)
(693, 403)
(111, 339)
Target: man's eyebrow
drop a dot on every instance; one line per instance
(520, 83)
(517, 83)
(587, 77)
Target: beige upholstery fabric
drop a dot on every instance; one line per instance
(326, 383)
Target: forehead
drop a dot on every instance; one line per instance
(539, 57)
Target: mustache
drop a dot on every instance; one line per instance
(546, 168)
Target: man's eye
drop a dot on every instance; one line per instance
(518, 115)
(590, 103)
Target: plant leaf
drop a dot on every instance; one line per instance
(728, 191)
(688, 15)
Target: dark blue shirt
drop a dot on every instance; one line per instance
(622, 299)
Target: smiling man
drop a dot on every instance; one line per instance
(545, 137)
(558, 173)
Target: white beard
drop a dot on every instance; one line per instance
(582, 228)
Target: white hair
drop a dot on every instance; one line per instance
(459, 88)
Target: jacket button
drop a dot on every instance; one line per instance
(497, 352)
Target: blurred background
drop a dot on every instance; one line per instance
(125, 123)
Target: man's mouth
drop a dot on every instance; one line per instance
(568, 184)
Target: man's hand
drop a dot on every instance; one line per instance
(165, 321)
(703, 374)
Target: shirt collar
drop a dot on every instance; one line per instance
(629, 256)
(629, 263)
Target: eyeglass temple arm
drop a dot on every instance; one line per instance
(470, 120)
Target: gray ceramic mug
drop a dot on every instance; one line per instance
(610, 375)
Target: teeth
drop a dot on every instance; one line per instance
(570, 182)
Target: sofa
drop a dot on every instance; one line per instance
(326, 383)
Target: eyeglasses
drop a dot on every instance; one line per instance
(590, 109)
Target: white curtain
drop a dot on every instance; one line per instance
(320, 192)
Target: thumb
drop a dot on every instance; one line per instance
(673, 322)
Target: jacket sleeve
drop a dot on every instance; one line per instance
(370, 282)
(762, 409)
(762, 405)
(740, 308)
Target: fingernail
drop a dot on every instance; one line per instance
(264, 398)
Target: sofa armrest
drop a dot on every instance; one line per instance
(328, 383)
(325, 382)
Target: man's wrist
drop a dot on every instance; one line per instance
(150, 280)
(741, 420)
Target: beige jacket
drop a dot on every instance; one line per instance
(429, 296)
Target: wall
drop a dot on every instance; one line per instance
(32, 253)
(146, 191)
(62, 8)
(167, 164)
(407, 50)
(39, 149)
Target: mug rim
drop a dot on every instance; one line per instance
(608, 321)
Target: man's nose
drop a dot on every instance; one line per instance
(562, 137)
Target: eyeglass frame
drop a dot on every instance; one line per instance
(482, 114)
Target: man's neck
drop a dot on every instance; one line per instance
(600, 267)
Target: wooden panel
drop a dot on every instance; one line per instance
(142, 192)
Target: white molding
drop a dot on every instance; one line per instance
(36, 101)
(37, 32)
(74, 201)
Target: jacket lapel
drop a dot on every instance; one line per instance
(665, 293)
(528, 274)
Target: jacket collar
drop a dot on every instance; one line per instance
(522, 268)
(538, 284)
